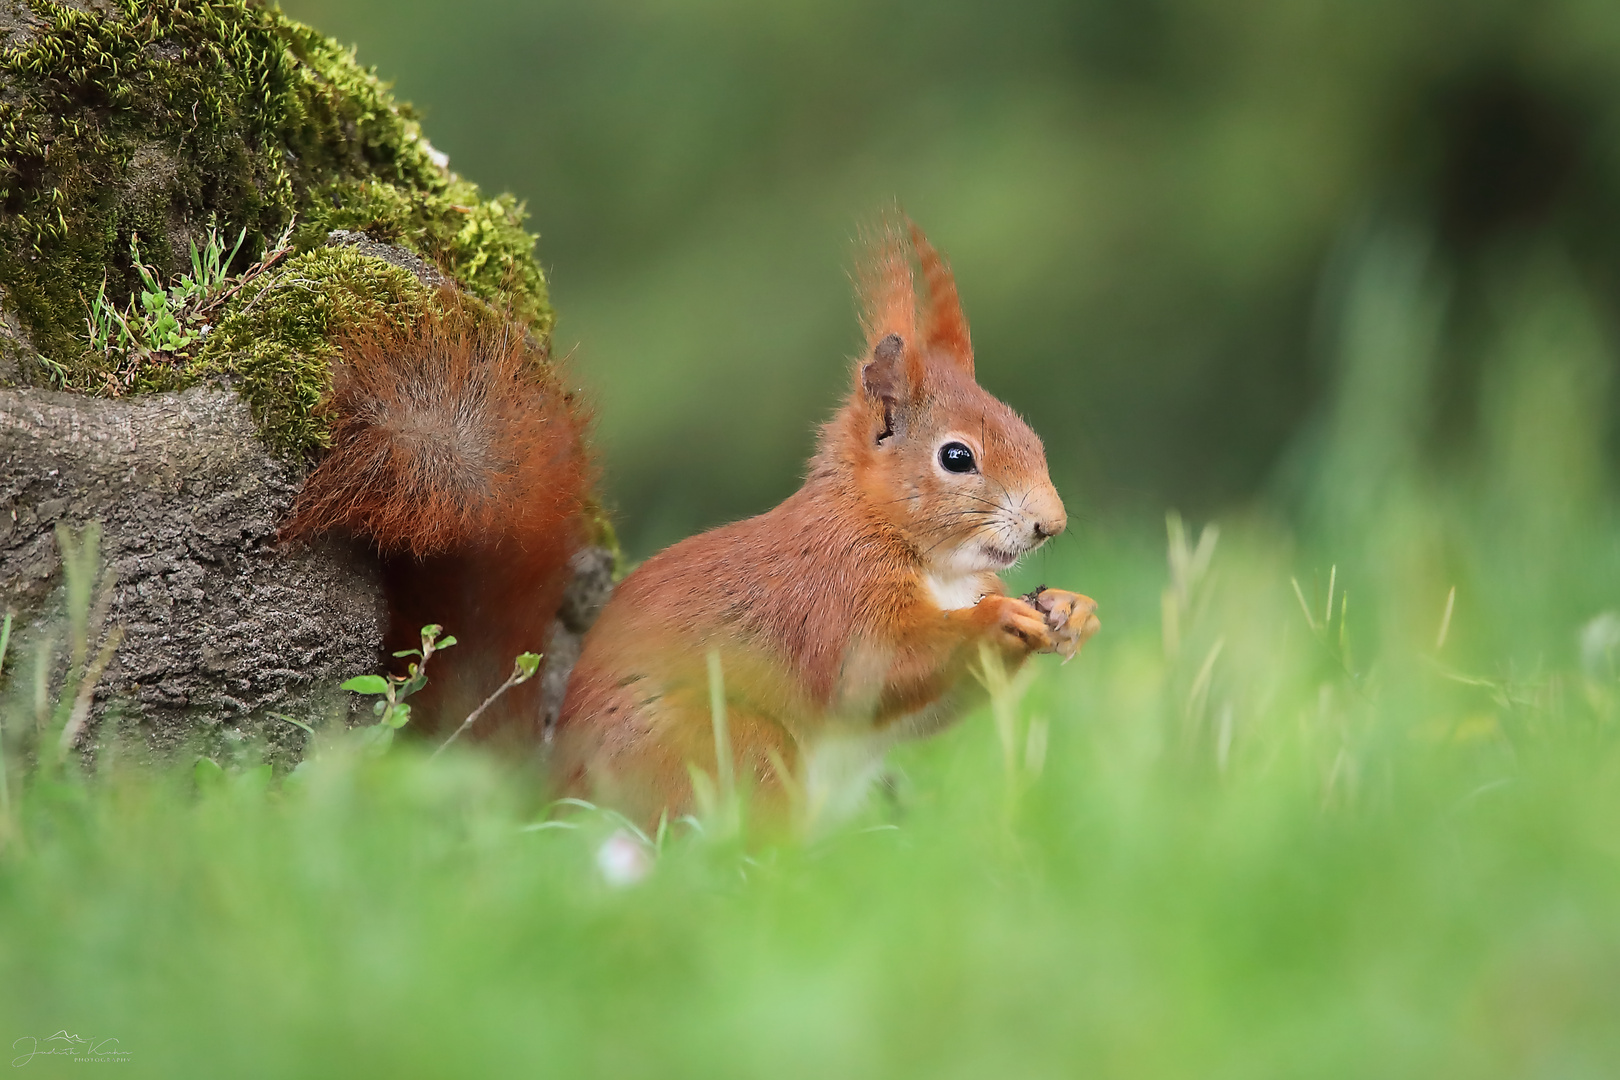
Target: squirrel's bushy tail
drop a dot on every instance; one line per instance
(458, 455)
(452, 430)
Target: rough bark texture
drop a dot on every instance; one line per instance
(221, 626)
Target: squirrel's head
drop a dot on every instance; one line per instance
(953, 468)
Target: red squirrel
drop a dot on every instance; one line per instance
(848, 617)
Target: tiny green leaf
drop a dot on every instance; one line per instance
(409, 652)
(398, 716)
(526, 665)
(367, 684)
(449, 640)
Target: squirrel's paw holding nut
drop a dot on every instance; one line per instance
(1020, 624)
(1070, 617)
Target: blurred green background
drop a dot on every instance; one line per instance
(1155, 209)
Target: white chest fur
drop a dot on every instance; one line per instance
(955, 591)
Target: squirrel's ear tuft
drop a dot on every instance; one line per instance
(945, 328)
(888, 296)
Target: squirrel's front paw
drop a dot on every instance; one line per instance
(1070, 617)
(1020, 625)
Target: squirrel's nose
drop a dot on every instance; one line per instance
(1046, 510)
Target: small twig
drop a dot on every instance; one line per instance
(523, 670)
(277, 251)
(302, 283)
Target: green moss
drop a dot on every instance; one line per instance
(165, 115)
(482, 244)
(276, 342)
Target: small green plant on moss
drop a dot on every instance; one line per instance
(59, 374)
(108, 326)
(390, 708)
(165, 322)
(172, 318)
(156, 320)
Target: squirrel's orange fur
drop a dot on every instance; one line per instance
(459, 457)
(848, 616)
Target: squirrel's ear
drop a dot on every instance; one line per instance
(945, 328)
(883, 377)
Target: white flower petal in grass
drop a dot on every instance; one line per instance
(623, 859)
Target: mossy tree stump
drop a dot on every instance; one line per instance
(152, 121)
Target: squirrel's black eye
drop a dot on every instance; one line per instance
(955, 457)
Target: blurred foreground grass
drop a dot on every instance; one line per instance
(1247, 833)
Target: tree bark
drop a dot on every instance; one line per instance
(221, 625)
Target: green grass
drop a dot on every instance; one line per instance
(1319, 853)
